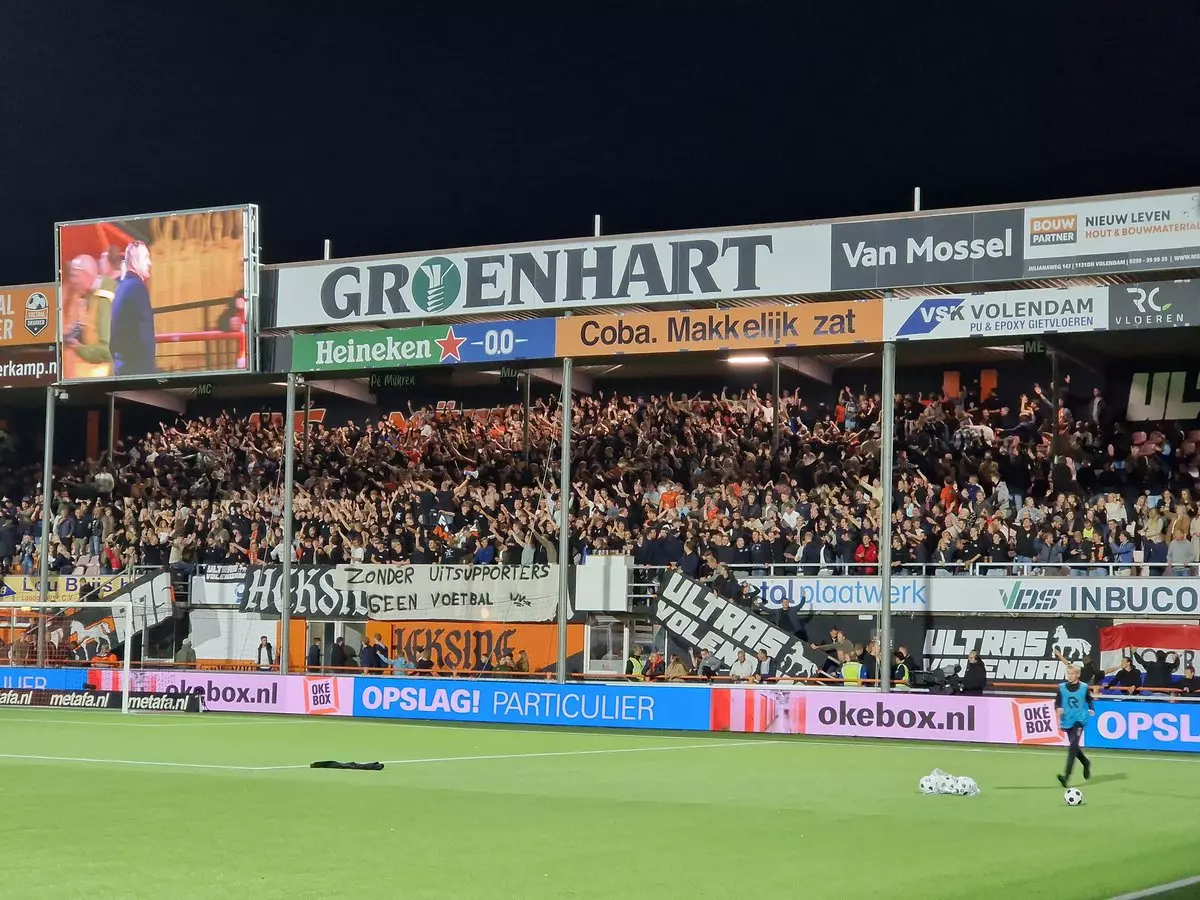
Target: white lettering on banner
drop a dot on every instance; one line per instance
(1158, 396)
(976, 594)
(1166, 727)
(399, 593)
(601, 272)
(412, 699)
(708, 621)
(1009, 654)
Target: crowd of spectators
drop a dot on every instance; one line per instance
(671, 479)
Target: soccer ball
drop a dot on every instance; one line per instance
(1073, 796)
(928, 785)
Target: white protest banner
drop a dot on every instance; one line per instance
(397, 593)
(707, 621)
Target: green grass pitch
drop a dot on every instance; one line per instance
(98, 805)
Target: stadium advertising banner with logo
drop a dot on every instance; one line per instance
(28, 315)
(158, 295)
(1145, 725)
(582, 705)
(657, 268)
(996, 314)
(245, 693)
(1117, 596)
(1165, 304)
(1115, 234)
(65, 589)
(22, 367)
(399, 593)
(806, 325)
(858, 714)
(704, 620)
(431, 345)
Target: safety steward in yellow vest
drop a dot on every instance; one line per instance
(851, 670)
(636, 666)
(901, 677)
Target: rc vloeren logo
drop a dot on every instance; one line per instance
(436, 285)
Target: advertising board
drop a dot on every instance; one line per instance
(865, 714)
(245, 693)
(513, 703)
(541, 278)
(22, 367)
(1152, 232)
(429, 345)
(158, 294)
(1140, 233)
(760, 328)
(1117, 596)
(1145, 725)
(996, 314)
(859, 714)
(1154, 305)
(42, 679)
(28, 315)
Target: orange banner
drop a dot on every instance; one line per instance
(28, 315)
(468, 646)
(758, 328)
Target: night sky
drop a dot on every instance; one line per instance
(472, 124)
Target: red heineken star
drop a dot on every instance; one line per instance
(450, 345)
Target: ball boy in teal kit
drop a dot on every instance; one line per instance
(1074, 704)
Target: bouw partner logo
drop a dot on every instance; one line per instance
(436, 285)
(932, 313)
(1030, 599)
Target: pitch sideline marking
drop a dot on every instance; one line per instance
(393, 762)
(1160, 889)
(794, 740)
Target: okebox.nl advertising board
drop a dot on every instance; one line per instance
(858, 714)
(669, 707)
(300, 695)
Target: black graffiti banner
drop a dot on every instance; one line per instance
(1013, 649)
(707, 621)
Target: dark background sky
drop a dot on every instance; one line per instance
(466, 124)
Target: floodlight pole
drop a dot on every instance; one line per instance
(285, 581)
(47, 516)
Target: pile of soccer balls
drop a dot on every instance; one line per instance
(939, 782)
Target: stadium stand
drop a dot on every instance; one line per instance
(673, 480)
